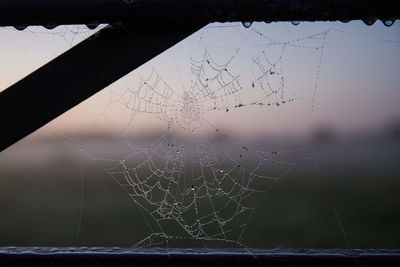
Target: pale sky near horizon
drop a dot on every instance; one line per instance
(358, 83)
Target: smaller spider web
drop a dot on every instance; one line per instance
(213, 87)
(268, 68)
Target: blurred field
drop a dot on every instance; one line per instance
(347, 195)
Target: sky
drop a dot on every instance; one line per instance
(348, 81)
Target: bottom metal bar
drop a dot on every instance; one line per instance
(22, 256)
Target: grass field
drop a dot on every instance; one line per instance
(348, 195)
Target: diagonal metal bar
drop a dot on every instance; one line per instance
(55, 12)
(79, 73)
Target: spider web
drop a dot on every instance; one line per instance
(205, 188)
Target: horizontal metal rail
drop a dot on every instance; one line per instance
(195, 257)
(51, 13)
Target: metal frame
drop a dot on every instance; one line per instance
(114, 52)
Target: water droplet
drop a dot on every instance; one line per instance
(369, 21)
(92, 26)
(247, 24)
(388, 22)
(295, 22)
(50, 26)
(20, 28)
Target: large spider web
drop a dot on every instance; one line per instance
(205, 188)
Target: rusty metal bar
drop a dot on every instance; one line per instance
(55, 12)
(98, 257)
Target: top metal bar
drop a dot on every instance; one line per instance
(51, 13)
